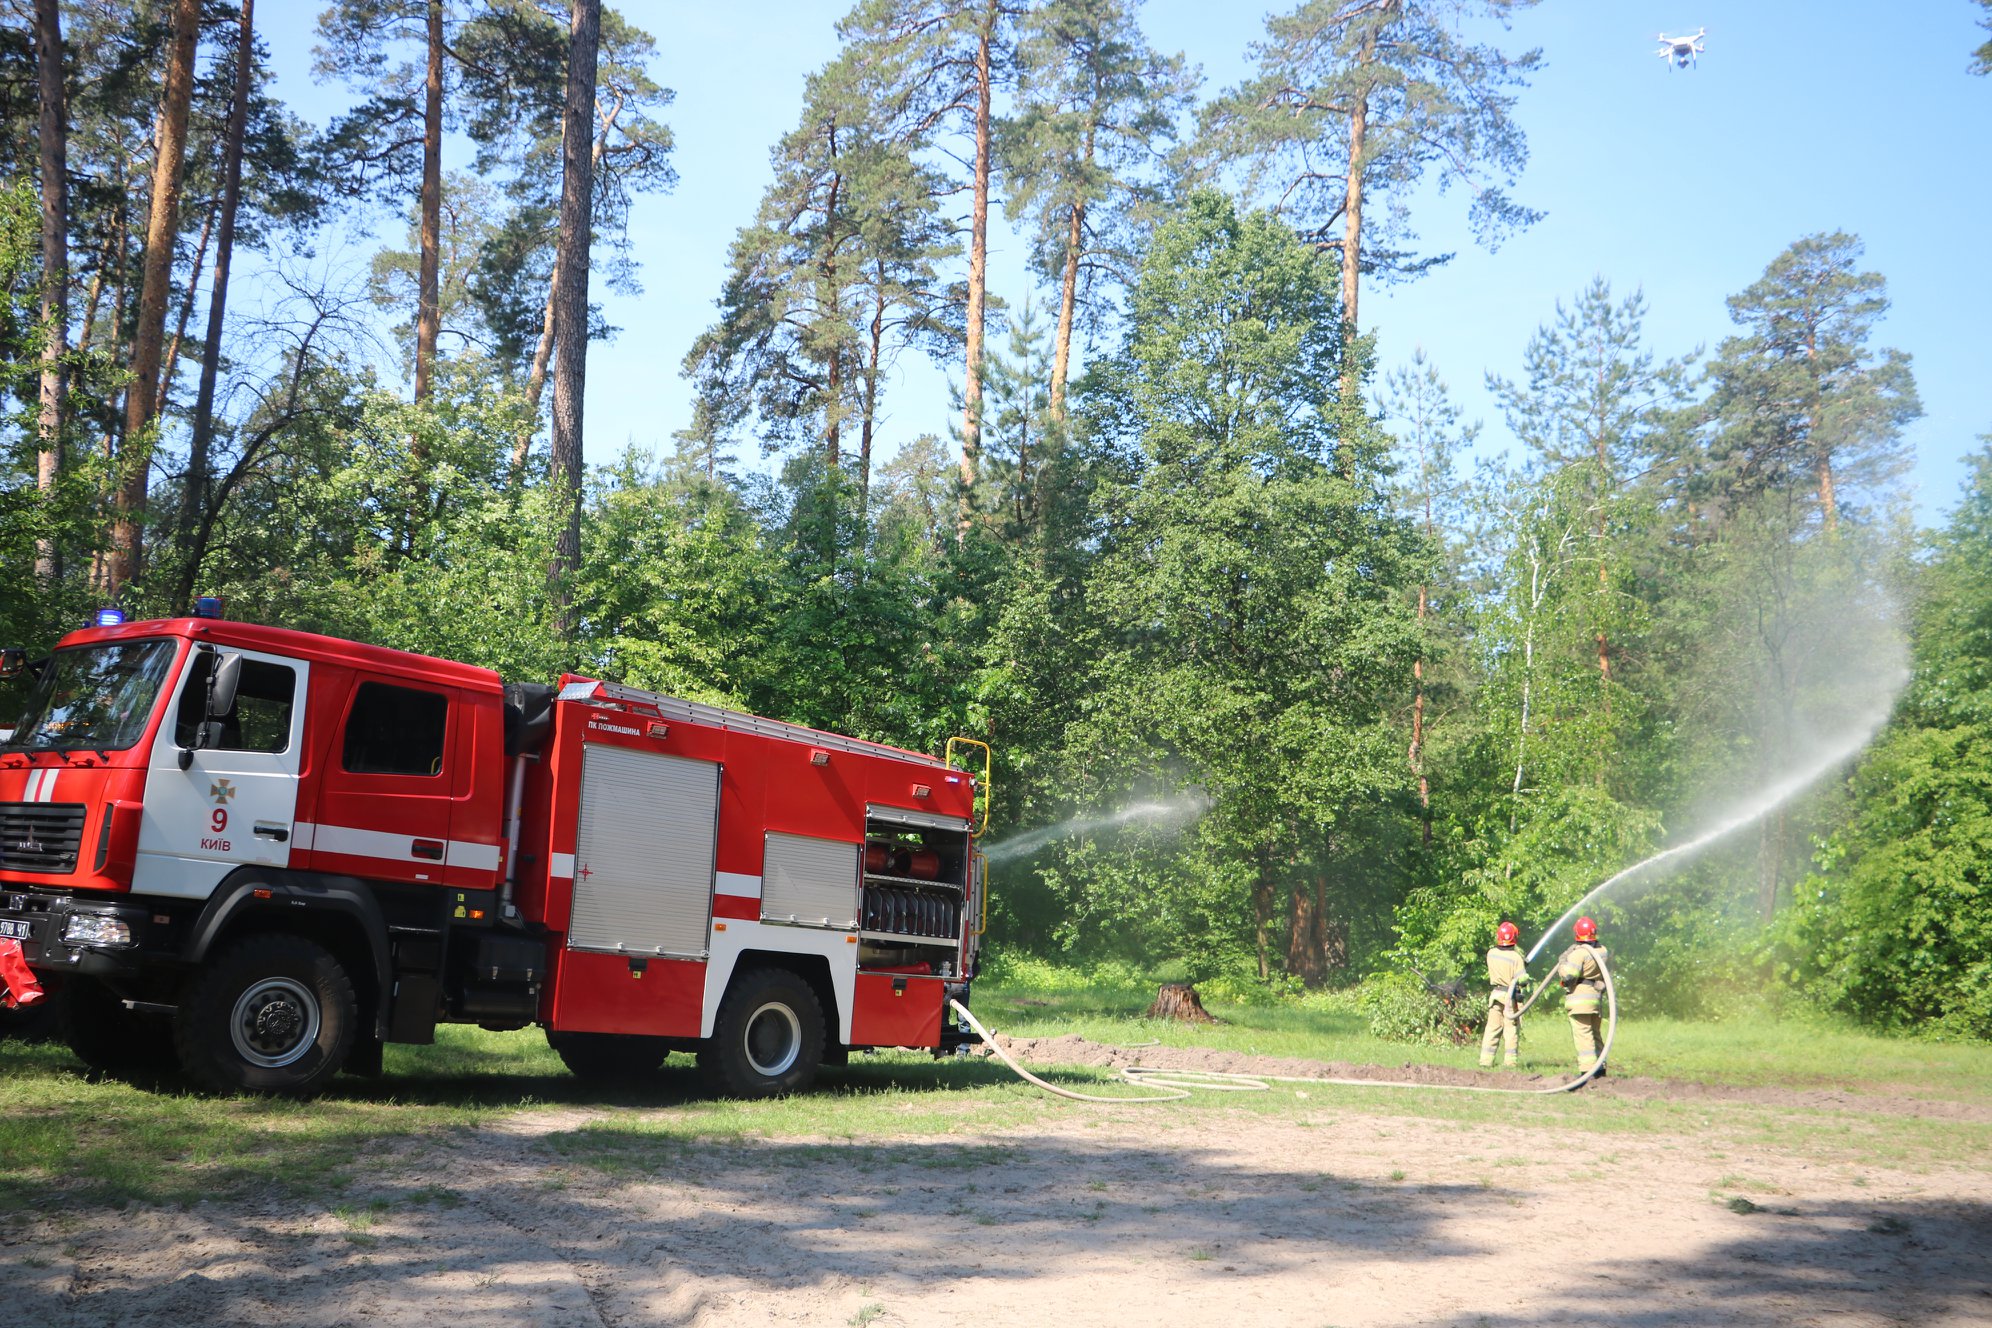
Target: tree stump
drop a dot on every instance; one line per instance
(1178, 1001)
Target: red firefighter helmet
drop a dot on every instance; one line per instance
(1585, 930)
(1507, 934)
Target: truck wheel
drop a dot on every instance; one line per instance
(606, 1057)
(271, 1014)
(107, 1037)
(768, 1039)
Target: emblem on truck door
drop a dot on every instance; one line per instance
(221, 791)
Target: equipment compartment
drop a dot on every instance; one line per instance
(915, 873)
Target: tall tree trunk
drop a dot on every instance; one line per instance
(170, 360)
(1352, 235)
(874, 366)
(428, 295)
(978, 272)
(570, 267)
(194, 492)
(1305, 953)
(833, 411)
(1418, 727)
(543, 351)
(1068, 295)
(55, 268)
(162, 225)
(1262, 917)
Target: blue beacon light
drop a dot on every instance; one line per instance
(108, 617)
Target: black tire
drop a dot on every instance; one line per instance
(608, 1057)
(105, 1036)
(768, 1039)
(270, 1014)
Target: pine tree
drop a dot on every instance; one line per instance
(837, 276)
(1352, 103)
(1589, 409)
(395, 137)
(1432, 437)
(938, 66)
(162, 228)
(1096, 111)
(1800, 400)
(54, 150)
(570, 284)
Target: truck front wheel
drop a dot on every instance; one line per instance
(271, 1014)
(768, 1039)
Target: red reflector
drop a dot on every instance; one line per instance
(259, 894)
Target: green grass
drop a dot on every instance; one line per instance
(1752, 1052)
(70, 1139)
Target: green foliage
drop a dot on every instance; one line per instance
(1894, 926)
(1248, 591)
(1403, 1008)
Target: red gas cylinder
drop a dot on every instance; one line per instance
(923, 864)
(878, 857)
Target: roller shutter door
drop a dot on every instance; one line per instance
(809, 881)
(643, 855)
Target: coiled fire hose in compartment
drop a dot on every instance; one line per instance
(1173, 1085)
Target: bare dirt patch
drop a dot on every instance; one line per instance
(1089, 1215)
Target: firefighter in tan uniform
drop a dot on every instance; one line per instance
(1583, 979)
(1505, 968)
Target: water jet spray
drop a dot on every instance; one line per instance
(1172, 811)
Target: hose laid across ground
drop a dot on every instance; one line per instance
(1178, 1084)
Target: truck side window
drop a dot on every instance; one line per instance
(395, 731)
(261, 720)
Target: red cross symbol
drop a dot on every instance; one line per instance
(586, 871)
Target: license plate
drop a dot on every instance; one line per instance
(15, 931)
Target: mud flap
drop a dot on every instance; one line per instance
(18, 985)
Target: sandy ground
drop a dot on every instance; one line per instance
(1089, 1216)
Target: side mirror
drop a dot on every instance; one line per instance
(13, 663)
(227, 676)
(223, 681)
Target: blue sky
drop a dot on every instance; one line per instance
(1802, 117)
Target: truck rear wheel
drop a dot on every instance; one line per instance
(605, 1057)
(768, 1039)
(271, 1014)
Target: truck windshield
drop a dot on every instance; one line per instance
(96, 697)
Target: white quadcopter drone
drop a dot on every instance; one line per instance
(1683, 51)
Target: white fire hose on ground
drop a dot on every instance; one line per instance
(1172, 1085)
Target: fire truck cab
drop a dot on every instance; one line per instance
(273, 852)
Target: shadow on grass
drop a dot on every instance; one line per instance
(714, 1221)
(81, 1139)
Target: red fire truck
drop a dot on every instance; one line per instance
(275, 852)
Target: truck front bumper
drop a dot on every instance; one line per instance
(53, 943)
